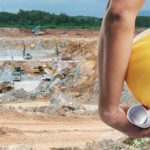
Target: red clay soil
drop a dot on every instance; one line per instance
(15, 32)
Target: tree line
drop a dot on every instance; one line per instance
(30, 19)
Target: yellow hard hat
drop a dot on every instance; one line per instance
(138, 72)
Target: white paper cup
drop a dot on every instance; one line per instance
(139, 116)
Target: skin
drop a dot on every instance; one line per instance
(115, 46)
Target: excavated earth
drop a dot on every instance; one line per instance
(27, 123)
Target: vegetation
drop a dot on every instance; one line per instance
(30, 19)
(137, 143)
(143, 21)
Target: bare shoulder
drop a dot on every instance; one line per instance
(132, 5)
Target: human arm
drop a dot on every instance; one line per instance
(115, 46)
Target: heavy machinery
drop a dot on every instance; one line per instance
(62, 74)
(17, 74)
(37, 31)
(47, 77)
(37, 69)
(6, 86)
(28, 56)
(25, 55)
(43, 69)
(65, 57)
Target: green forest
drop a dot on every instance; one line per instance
(30, 19)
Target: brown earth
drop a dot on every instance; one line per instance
(45, 133)
(39, 130)
(15, 32)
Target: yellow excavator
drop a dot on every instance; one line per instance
(37, 69)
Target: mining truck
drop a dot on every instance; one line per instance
(6, 86)
(17, 74)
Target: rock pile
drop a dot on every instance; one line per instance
(42, 89)
(6, 73)
(63, 105)
(45, 88)
(15, 95)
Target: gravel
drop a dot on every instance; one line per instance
(15, 95)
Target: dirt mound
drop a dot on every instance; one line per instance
(16, 32)
(6, 131)
(62, 105)
(10, 113)
(43, 89)
(2, 132)
(16, 147)
(73, 32)
(6, 71)
(21, 114)
(13, 32)
(15, 95)
(46, 88)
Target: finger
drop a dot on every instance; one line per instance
(145, 132)
(136, 132)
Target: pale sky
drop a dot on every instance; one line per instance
(70, 7)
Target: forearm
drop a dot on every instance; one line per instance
(114, 53)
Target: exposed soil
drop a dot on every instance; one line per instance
(21, 122)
